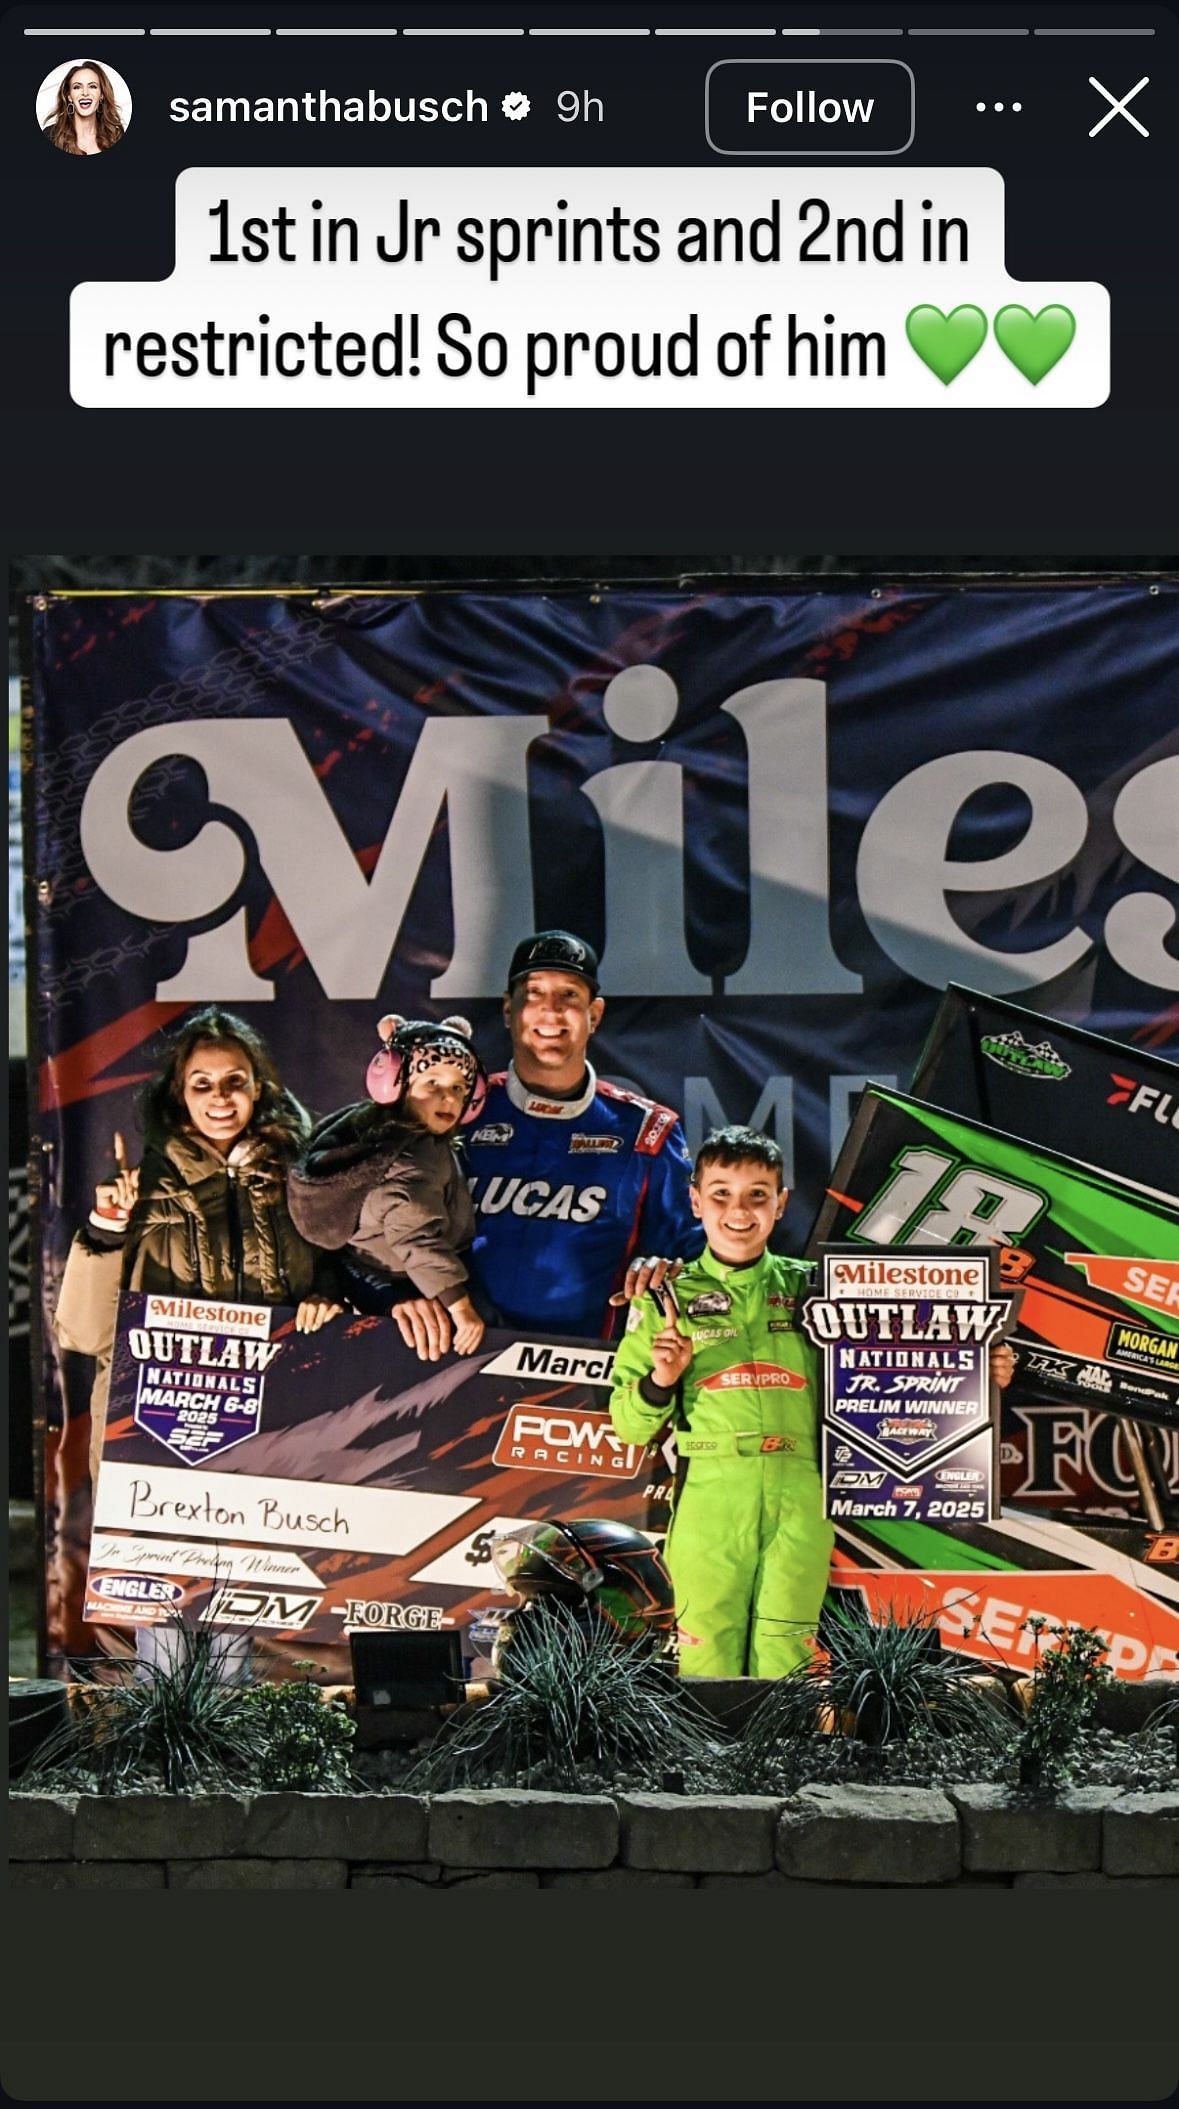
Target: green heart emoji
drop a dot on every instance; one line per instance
(1034, 343)
(947, 343)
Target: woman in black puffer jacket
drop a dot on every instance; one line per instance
(206, 1211)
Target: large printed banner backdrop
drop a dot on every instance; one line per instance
(787, 820)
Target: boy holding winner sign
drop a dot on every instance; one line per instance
(749, 1546)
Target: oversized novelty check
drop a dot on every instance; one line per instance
(312, 1484)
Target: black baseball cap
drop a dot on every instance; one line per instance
(554, 951)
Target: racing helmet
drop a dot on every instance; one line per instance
(594, 1565)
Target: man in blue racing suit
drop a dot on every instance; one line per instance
(574, 1180)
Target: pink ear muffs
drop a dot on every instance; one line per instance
(386, 1071)
(385, 1077)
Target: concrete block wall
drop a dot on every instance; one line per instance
(850, 1838)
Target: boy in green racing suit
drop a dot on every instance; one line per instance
(749, 1547)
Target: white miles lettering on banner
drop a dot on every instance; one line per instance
(477, 771)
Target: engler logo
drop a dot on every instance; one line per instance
(136, 1589)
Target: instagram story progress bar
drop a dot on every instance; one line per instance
(810, 107)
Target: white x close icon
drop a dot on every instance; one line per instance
(1118, 108)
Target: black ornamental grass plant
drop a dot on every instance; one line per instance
(575, 1702)
(870, 1688)
(578, 1708)
(177, 1725)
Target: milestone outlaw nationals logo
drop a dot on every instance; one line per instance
(1012, 1052)
(904, 1336)
(537, 1438)
(200, 1372)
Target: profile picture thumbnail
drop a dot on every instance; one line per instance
(83, 107)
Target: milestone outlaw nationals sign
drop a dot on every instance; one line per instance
(200, 1371)
(305, 1485)
(908, 1427)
